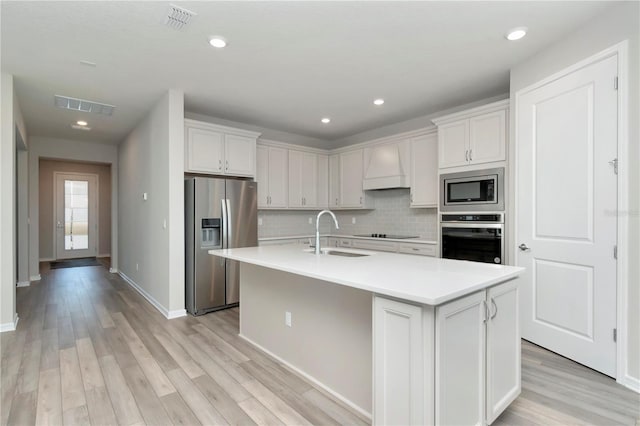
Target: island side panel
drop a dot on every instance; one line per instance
(330, 339)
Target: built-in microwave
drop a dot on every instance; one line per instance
(478, 190)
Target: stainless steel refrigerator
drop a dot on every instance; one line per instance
(219, 213)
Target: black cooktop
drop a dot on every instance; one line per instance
(395, 237)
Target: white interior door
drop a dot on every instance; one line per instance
(566, 214)
(76, 222)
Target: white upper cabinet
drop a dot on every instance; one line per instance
(476, 136)
(219, 150)
(303, 179)
(271, 174)
(424, 171)
(352, 196)
(323, 181)
(205, 151)
(334, 181)
(487, 135)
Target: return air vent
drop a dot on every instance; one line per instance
(83, 105)
(178, 17)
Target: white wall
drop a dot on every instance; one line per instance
(620, 23)
(61, 149)
(47, 203)
(151, 161)
(8, 316)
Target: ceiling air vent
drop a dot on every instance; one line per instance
(178, 17)
(83, 105)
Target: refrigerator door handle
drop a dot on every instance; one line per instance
(229, 224)
(225, 225)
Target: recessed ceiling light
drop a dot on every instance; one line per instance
(81, 123)
(378, 102)
(77, 127)
(516, 33)
(326, 120)
(218, 42)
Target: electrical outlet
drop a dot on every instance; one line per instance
(287, 319)
(259, 221)
(145, 196)
(310, 221)
(353, 220)
(137, 267)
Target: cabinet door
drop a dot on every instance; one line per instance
(351, 193)
(262, 176)
(424, 171)
(487, 135)
(295, 178)
(460, 361)
(453, 144)
(334, 181)
(503, 349)
(400, 382)
(323, 181)
(309, 175)
(278, 182)
(239, 153)
(205, 151)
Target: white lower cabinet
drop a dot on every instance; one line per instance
(469, 353)
(402, 363)
(375, 245)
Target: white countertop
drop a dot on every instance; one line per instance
(426, 280)
(397, 240)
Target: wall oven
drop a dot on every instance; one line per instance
(473, 236)
(478, 190)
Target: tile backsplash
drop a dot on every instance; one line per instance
(391, 215)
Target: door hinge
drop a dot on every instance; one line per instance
(615, 334)
(615, 252)
(615, 83)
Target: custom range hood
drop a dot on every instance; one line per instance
(387, 166)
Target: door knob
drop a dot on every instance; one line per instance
(523, 247)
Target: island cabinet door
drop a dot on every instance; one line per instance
(460, 361)
(402, 363)
(503, 348)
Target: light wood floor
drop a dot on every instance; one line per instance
(90, 350)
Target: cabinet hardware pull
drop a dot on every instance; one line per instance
(470, 155)
(466, 155)
(486, 311)
(219, 164)
(227, 165)
(523, 247)
(336, 201)
(411, 197)
(493, 302)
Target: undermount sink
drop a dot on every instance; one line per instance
(334, 252)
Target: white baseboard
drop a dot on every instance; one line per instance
(104, 255)
(630, 382)
(311, 379)
(164, 311)
(47, 259)
(113, 270)
(35, 277)
(10, 326)
(23, 283)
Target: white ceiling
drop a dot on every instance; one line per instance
(287, 65)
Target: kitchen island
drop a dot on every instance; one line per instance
(404, 339)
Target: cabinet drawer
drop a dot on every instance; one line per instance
(344, 243)
(421, 250)
(375, 245)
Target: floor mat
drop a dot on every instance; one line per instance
(73, 263)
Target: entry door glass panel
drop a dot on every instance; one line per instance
(76, 215)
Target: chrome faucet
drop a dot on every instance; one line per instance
(318, 227)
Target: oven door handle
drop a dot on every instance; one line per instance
(471, 225)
